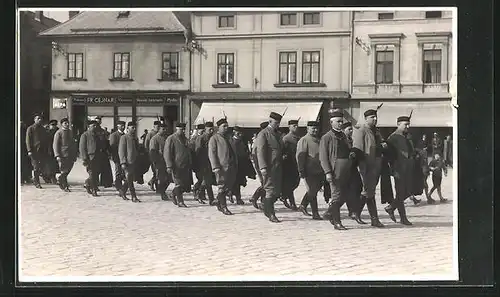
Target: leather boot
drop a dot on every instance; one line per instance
(222, 204)
(134, 196)
(293, 206)
(372, 209)
(389, 209)
(270, 207)
(335, 220)
(284, 199)
(198, 194)
(255, 197)
(36, 181)
(180, 199)
(175, 193)
(402, 214)
(60, 182)
(303, 205)
(314, 208)
(237, 194)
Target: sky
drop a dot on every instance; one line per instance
(60, 16)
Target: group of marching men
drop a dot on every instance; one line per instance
(346, 162)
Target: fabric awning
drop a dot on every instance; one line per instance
(425, 114)
(251, 114)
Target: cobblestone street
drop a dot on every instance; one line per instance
(74, 234)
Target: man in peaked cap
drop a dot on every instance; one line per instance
(200, 129)
(37, 146)
(156, 147)
(128, 150)
(114, 140)
(153, 184)
(105, 175)
(52, 167)
(269, 147)
(203, 165)
(291, 179)
(245, 167)
(259, 192)
(65, 149)
(402, 168)
(88, 147)
(368, 145)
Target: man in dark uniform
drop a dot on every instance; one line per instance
(52, 164)
(65, 153)
(203, 165)
(402, 169)
(270, 159)
(128, 150)
(309, 167)
(156, 146)
(291, 179)
(259, 192)
(37, 146)
(178, 160)
(336, 160)
(368, 146)
(26, 174)
(105, 175)
(153, 182)
(114, 141)
(224, 164)
(245, 167)
(200, 129)
(88, 148)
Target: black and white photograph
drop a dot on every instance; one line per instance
(235, 144)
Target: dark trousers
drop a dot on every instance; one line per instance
(129, 180)
(199, 180)
(26, 168)
(223, 191)
(162, 178)
(119, 176)
(92, 170)
(206, 187)
(65, 167)
(327, 192)
(314, 183)
(154, 178)
(38, 163)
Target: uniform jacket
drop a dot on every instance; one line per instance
(102, 140)
(223, 157)
(148, 138)
(128, 149)
(156, 146)
(307, 156)
(114, 140)
(64, 144)
(192, 147)
(245, 167)
(291, 178)
(201, 153)
(367, 141)
(334, 153)
(52, 133)
(176, 152)
(269, 151)
(37, 140)
(88, 145)
(402, 163)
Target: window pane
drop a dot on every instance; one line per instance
(388, 73)
(71, 57)
(71, 74)
(283, 57)
(230, 59)
(230, 74)
(221, 58)
(79, 58)
(292, 57)
(315, 73)
(379, 74)
(79, 66)
(117, 57)
(292, 73)
(306, 73)
(293, 19)
(316, 18)
(71, 66)
(432, 55)
(79, 73)
(166, 58)
(230, 21)
(174, 59)
(315, 56)
(306, 57)
(126, 57)
(283, 73)
(222, 74)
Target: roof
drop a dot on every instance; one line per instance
(39, 26)
(108, 22)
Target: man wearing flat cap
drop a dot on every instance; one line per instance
(114, 141)
(402, 168)
(224, 163)
(368, 145)
(65, 152)
(52, 164)
(336, 160)
(37, 146)
(156, 147)
(88, 148)
(203, 165)
(128, 151)
(291, 179)
(178, 160)
(105, 175)
(200, 129)
(269, 148)
(153, 183)
(259, 192)
(309, 167)
(245, 167)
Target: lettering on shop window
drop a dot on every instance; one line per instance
(100, 100)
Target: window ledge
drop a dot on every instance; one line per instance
(225, 86)
(121, 79)
(173, 79)
(75, 79)
(300, 85)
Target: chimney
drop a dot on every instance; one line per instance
(39, 16)
(72, 13)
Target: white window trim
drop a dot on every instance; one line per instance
(235, 17)
(178, 63)
(437, 40)
(217, 67)
(297, 19)
(297, 65)
(393, 41)
(321, 63)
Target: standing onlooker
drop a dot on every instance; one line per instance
(448, 151)
(437, 145)
(437, 168)
(26, 168)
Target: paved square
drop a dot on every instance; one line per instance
(74, 234)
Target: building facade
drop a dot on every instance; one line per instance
(246, 64)
(35, 64)
(126, 65)
(403, 59)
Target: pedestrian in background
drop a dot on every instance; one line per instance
(448, 151)
(437, 167)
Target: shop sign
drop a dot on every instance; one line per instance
(59, 103)
(94, 100)
(172, 99)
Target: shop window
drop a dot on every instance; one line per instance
(432, 66)
(170, 66)
(121, 66)
(146, 116)
(311, 18)
(225, 68)
(384, 67)
(105, 112)
(288, 19)
(310, 67)
(288, 67)
(75, 66)
(226, 21)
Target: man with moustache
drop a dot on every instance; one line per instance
(224, 164)
(259, 192)
(128, 150)
(203, 165)
(291, 178)
(88, 148)
(368, 146)
(178, 160)
(269, 149)
(402, 166)
(156, 147)
(245, 168)
(114, 141)
(200, 129)
(309, 167)
(64, 147)
(37, 146)
(153, 183)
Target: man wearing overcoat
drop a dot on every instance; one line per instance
(105, 175)
(291, 179)
(88, 148)
(245, 167)
(52, 164)
(37, 146)
(65, 152)
(156, 147)
(114, 141)
(200, 129)
(128, 150)
(153, 182)
(259, 192)
(269, 148)
(203, 165)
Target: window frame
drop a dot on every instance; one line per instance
(177, 75)
(438, 63)
(312, 13)
(384, 64)
(121, 61)
(226, 68)
(428, 14)
(288, 64)
(281, 15)
(311, 63)
(219, 17)
(74, 70)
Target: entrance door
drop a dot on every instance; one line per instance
(78, 115)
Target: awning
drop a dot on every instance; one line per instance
(251, 114)
(272, 95)
(425, 114)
